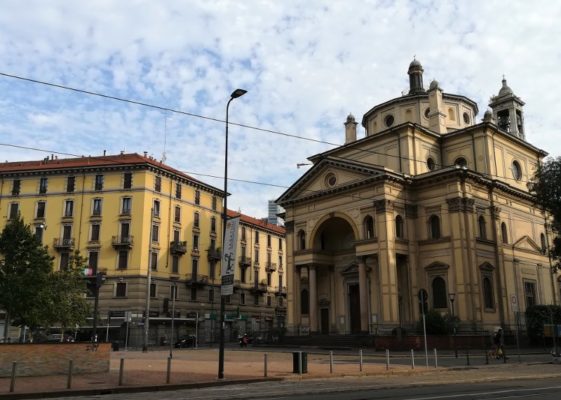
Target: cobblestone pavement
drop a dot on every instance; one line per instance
(198, 368)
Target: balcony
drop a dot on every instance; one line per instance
(122, 242)
(259, 288)
(196, 280)
(214, 254)
(271, 267)
(281, 291)
(245, 261)
(178, 247)
(63, 244)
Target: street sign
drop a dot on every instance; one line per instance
(229, 248)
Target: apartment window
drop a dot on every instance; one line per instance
(64, 260)
(242, 275)
(39, 233)
(43, 183)
(269, 301)
(156, 208)
(214, 203)
(158, 184)
(257, 255)
(280, 262)
(439, 299)
(70, 184)
(152, 290)
(211, 295)
(154, 260)
(126, 205)
(178, 190)
(530, 293)
(268, 240)
(242, 299)
(196, 220)
(14, 210)
(121, 289)
(213, 225)
(123, 259)
(280, 283)
(155, 233)
(127, 180)
(40, 213)
(93, 258)
(125, 230)
(66, 233)
(94, 237)
(243, 233)
(256, 237)
(16, 187)
(269, 279)
(177, 216)
(197, 197)
(175, 264)
(434, 227)
(96, 210)
(68, 208)
(175, 235)
(195, 242)
(280, 243)
(98, 182)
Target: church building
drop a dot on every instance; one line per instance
(429, 204)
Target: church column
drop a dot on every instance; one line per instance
(363, 289)
(313, 299)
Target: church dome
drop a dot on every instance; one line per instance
(415, 64)
(505, 89)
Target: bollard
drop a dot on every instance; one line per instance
(387, 359)
(265, 365)
(331, 362)
(412, 359)
(360, 359)
(13, 381)
(121, 370)
(168, 372)
(435, 359)
(300, 361)
(467, 357)
(69, 381)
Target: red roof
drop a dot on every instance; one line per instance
(257, 222)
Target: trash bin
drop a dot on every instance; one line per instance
(299, 360)
(115, 346)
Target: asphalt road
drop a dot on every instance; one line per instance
(360, 389)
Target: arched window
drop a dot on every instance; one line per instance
(461, 162)
(516, 170)
(399, 231)
(430, 164)
(488, 293)
(434, 227)
(302, 240)
(543, 243)
(482, 227)
(368, 227)
(504, 233)
(304, 302)
(439, 293)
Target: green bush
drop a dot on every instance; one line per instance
(435, 323)
(537, 316)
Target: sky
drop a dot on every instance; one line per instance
(305, 64)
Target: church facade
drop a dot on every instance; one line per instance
(430, 203)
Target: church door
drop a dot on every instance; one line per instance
(325, 321)
(354, 307)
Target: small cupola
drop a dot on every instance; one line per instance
(415, 73)
(350, 129)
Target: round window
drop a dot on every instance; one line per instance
(466, 118)
(427, 112)
(430, 164)
(461, 162)
(330, 180)
(516, 170)
(389, 120)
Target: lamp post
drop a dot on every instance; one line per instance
(235, 94)
(174, 295)
(452, 297)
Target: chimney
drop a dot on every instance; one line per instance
(350, 129)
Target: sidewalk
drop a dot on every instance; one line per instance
(191, 368)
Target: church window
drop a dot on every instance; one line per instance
(543, 243)
(302, 240)
(504, 233)
(389, 120)
(427, 112)
(530, 293)
(451, 114)
(516, 170)
(368, 227)
(304, 302)
(434, 227)
(461, 162)
(466, 118)
(482, 227)
(330, 180)
(488, 293)
(399, 228)
(439, 293)
(430, 164)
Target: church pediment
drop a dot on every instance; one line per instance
(330, 176)
(525, 243)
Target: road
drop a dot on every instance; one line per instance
(354, 388)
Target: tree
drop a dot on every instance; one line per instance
(25, 272)
(546, 187)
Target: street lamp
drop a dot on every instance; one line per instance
(174, 295)
(235, 94)
(452, 297)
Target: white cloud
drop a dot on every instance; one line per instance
(306, 65)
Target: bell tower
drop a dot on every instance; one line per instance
(508, 111)
(415, 72)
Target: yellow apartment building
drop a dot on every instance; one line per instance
(429, 201)
(127, 213)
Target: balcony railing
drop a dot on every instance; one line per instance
(271, 266)
(63, 243)
(260, 287)
(122, 242)
(245, 261)
(178, 247)
(196, 280)
(214, 254)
